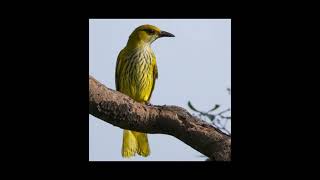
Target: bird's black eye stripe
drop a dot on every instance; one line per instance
(149, 31)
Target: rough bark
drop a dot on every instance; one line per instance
(120, 110)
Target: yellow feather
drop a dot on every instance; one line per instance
(129, 144)
(136, 73)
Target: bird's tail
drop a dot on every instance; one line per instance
(134, 142)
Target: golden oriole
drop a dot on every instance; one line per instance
(136, 73)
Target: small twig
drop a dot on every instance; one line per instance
(224, 111)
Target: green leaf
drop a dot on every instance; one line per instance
(229, 90)
(214, 108)
(191, 107)
(211, 116)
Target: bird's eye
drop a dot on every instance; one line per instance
(149, 31)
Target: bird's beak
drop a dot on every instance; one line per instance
(165, 34)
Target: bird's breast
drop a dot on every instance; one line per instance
(138, 76)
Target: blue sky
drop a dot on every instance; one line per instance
(195, 65)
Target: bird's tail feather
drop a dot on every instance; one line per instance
(135, 142)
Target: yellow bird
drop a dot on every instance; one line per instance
(136, 73)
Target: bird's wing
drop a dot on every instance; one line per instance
(155, 75)
(120, 61)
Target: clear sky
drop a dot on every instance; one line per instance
(195, 65)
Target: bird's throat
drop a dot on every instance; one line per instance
(134, 43)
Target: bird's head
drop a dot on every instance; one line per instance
(147, 34)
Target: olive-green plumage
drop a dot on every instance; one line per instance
(136, 73)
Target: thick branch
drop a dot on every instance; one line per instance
(120, 110)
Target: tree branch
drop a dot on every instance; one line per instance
(120, 110)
